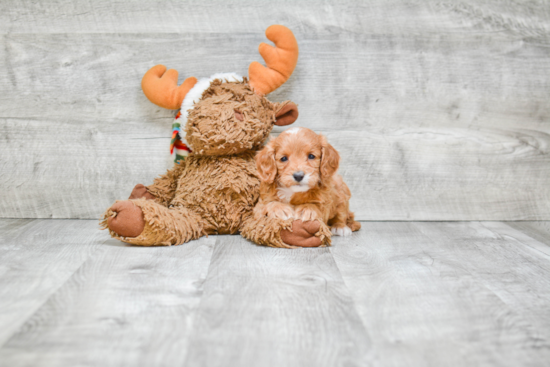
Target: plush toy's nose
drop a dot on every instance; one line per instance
(298, 176)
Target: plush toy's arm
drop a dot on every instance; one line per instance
(313, 233)
(285, 233)
(163, 188)
(265, 231)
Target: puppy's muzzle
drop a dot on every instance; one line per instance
(298, 176)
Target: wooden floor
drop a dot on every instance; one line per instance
(394, 294)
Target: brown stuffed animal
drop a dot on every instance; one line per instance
(213, 190)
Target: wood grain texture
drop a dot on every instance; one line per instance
(36, 258)
(123, 306)
(377, 16)
(515, 269)
(440, 110)
(404, 174)
(342, 81)
(76, 174)
(454, 294)
(528, 234)
(392, 294)
(538, 230)
(274, 307)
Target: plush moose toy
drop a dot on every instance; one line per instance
(214, 188)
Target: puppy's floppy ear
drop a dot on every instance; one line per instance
(330, 159)
(265, 163)
(287, 113)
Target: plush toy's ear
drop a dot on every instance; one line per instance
(287, 114)
(265, 163)
(330, 159)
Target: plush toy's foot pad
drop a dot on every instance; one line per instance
(126, 219)
(303, 234)
(140, 191)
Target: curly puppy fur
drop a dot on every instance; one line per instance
(299, 180)
(216, 188)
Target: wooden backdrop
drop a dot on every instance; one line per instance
(440, 109)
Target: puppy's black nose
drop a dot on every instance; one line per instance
(298, 176)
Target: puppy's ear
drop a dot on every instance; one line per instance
(287, 113)
(265, 163)
(330, 159)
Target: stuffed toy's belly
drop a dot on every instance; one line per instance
(221, 189)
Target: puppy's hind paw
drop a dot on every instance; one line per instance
(341, 231)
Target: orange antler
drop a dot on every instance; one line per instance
(161, 87)
(280, 60)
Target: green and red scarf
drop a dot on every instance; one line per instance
(177, 144)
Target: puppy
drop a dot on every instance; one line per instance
(298, 178)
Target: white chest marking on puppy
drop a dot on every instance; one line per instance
(285, 194)
(299, 188)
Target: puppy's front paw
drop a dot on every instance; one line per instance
(343, 231)
(278, 211)
(305, 213)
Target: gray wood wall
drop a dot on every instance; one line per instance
(440, 110)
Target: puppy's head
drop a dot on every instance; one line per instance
(298, 159)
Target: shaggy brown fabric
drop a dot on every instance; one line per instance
(214, 129)
(216, 188)
(164, 187)
(283, 233)
(266, 231)
(222, 190)
(163, 226)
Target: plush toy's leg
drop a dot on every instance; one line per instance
(265, 231)
(163, 188)
(286, 233)
(148, 223)
(140, 191)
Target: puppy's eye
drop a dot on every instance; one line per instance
(284, 159)
(311, 156)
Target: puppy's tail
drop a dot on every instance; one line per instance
(351, 223)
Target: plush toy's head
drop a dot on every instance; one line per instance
(226, 113)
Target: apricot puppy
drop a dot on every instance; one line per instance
(298, 180)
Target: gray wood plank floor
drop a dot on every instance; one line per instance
(394, 294)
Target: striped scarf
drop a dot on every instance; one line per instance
(177, 143)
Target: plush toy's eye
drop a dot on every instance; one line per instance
(284, 159)
(239, 115)
(311, 156)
